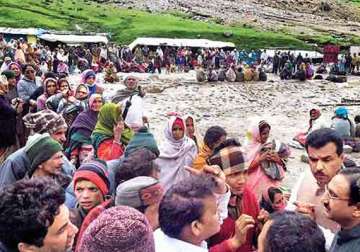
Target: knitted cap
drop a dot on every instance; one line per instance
(40, 148)
(44, 121)
(138, 192)
(9, 74)
(95, 172)
(142, 139)
(230, 159)
(118, 229)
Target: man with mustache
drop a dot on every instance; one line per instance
(325, 151)
(342, 205)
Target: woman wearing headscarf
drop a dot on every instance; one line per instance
(110, 135)
(131, 100)
(315, 122)
(176, 152)
(7, 122)
(70, 106)
(273, 200)
(13, 66)
(80, 148)
(89, 79)
(266, 159)
(50, 88)
(191, 131)
(342, 124)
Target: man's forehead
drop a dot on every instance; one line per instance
(328, 149)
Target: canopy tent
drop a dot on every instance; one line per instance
(21, 31)
(311, 54)
(74, 39)
(199, 43)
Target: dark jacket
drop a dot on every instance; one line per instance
(8, 123)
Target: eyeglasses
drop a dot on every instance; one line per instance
(332, 195)
(29, 71)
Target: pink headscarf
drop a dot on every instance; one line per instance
(253, 140)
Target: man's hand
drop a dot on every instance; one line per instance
(214, 171)
(305, 208)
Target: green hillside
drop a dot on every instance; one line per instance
(126, 25)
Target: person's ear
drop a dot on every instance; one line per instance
(196, 228)
(356, 213)
(24, 247)
(342, 156)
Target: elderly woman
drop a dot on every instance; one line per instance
(131, 99)
(111, 134)
(176, 152)
(89, 79)
(266, 159)
(80, 148)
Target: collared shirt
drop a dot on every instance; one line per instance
(164, 243)
(347, 240)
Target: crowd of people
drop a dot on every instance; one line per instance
(81, 174)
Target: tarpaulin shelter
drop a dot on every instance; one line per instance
(195, 43)
(331, 53)
(71, 39)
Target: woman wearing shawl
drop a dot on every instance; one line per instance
(110, 135)
(131, 100)
(70, 106)
(13, 66)
(273, 200)
(176, 152)
(266, 159)
(191, 131)
(314, 123)
(89, 79)
(80, 148)
(50, 88)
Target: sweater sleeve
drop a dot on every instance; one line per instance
(223, 201)
(222, 247)
(109, 150)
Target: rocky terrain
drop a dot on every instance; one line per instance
(284, 104)
(300, 17)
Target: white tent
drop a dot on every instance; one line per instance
(202, 43)
(311, 54)
(22, 31)
(74, 39)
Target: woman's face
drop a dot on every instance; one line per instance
(97, 103)
(178, 132)
(30, 73)
(50, 88)
(16, 69)
(279, 202)
(90, 80)
(314, 114)
(190, 126)
(264, 135)
(64, 85)
(81, 93)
